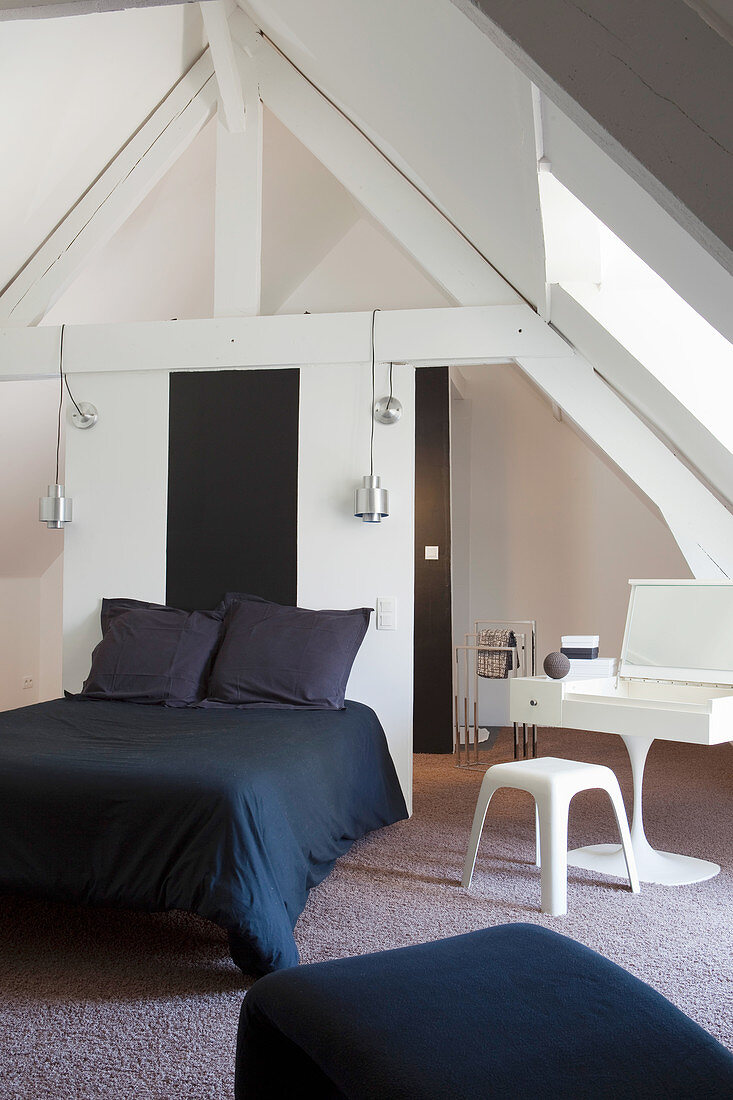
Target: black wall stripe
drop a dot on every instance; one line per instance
(433, 684)
(232, 486)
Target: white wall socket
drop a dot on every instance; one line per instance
(27, 683)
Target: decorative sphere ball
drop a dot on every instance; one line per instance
(556, 665)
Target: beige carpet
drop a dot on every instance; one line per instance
(97, 1004)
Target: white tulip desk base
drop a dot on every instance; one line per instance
(652, 865)
(639, 714)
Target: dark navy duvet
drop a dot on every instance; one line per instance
(232, 815)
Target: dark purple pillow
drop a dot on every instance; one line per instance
(153, 654)
(231, 598)
(285, 657)
(113, 608)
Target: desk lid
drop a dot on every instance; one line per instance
(679, 631)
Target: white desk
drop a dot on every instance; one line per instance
(638, 713)
(675, 683)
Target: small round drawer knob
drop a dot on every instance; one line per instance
(533, 702)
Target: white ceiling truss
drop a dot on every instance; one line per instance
(492, 321)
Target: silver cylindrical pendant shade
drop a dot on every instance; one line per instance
(371, 502)
(55, 509)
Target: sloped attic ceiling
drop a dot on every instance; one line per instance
(421, 81)
(651, 82)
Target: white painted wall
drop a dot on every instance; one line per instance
(28, 424)
(19, 640)
(364, 266)
(30, 555)
(160, 262)
(343, 562)
(555, 531)
(116, 545)
(119, 469)
(305, 211)
(50, 613)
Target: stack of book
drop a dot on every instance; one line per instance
(595, 669)
(585, 664)
(583, 647)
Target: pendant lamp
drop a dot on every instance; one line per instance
(371, 501)
(55, 509)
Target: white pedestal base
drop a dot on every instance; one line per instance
(651, 865)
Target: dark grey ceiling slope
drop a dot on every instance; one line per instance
(651, 83)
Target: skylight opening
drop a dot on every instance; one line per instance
(638, 308)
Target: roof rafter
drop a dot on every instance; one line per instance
(113, 196)
(216, 25)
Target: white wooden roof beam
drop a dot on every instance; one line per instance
(123, 185)
(700, 524)
(418, 227)
(698, 448)
(231, 99)
(238, 207)
(406, 335)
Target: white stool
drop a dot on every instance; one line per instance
(552, 782)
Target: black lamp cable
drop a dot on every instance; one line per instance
(61, 400)
(63, 381)
(73, 399)
(371, 438)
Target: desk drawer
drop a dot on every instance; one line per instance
(536, 702)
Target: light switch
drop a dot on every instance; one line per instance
(431, 553)
(386, 613)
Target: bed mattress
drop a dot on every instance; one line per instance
(233, 815)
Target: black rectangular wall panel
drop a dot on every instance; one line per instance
(433, 699)
(232, 486)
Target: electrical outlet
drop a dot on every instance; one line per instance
(27, 683)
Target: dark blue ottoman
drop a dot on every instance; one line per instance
(516, 1012)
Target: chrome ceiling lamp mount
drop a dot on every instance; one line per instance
(55, 509)
(388, 410)
(84, 415)
(371, 501)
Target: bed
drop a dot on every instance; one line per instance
(230, 814)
